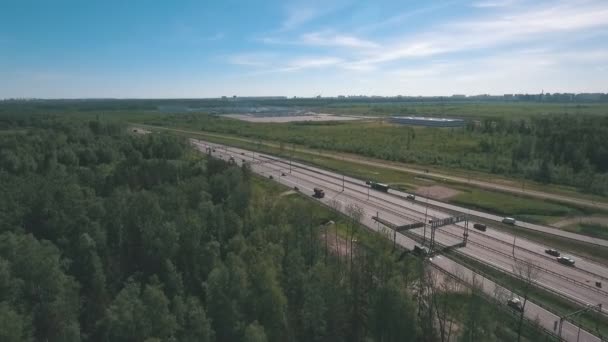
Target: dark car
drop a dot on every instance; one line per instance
(552, 251)
(568, 261)
(515, 304)
(296, 188)
(283, 174)
(420, 250)
(270, 177)
(480, 226)
(411, 197)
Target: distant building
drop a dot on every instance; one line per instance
(427, 121)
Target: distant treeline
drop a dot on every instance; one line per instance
(560, 149)
(224, 104)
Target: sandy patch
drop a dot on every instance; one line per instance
(138, 130)
(291, 118)
(336, 245)
(437, 192)
(603, 220)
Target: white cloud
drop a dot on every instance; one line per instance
(298, 16)
(336, 40)
(253, 59)
(494, 3)
(483, 33)
(311, 62)
(401, 17)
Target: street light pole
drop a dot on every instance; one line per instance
(425, 218)
(514, 237)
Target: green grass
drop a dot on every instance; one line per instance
(476, 198)
(467, 110)
(592, 229)
(527, 209)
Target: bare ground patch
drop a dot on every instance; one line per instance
(437, 192)
(287, 193)
(603, 220)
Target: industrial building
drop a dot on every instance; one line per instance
(426, 121)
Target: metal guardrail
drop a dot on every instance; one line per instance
(416, 238)
(493, 238)
(495, 281)
(574, 281)
(377, 206)
(498, 303)
(540, 285)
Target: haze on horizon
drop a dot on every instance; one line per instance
(191, 49)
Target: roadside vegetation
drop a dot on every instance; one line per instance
(591, 320)
(597, 230)
(520, 207)
(560, 149)
(107, 235)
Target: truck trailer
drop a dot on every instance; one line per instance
(378, 186)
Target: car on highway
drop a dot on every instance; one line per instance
(480, 226)
(411, 197)
(509, 220)
(318, 193)
(270, 177)
(423, 251)
(283, 174)
(515, 303)
(566, 260)
(552, 251)
(296, 188)
(242, 153)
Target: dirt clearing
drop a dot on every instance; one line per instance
(603, 220)
(437, 192)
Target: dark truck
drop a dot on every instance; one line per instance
(319, 193)
(378, 186)
(480, 226)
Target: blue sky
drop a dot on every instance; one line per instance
(133, 48)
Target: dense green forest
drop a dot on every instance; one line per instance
(109, 236)
(560, 149)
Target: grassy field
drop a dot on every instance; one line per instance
(591, 229)
(467, 110)
(496, 202)
(457, 152)
(522, 208)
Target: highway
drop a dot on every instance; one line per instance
(492, 248)
(482, 184)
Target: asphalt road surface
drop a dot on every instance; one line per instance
(491, 247)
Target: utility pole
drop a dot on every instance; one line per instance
(597, 307)
(426, 209)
